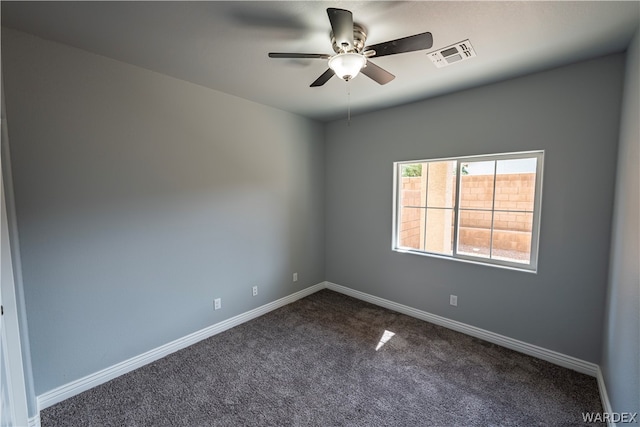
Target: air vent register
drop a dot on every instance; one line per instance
(457, 52)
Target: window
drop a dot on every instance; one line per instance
(482, 209)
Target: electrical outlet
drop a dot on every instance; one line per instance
(217, 303)
(295, 277)
(255, 291)
(453, 300)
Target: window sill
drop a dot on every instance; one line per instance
(465, 260)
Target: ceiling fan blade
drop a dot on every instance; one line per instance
(405, 44)
(342, 26)
(377, 74)
(323, 78)
(299, 55)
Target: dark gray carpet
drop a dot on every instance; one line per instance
(314, 363)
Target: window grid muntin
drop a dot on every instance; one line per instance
(426, 205)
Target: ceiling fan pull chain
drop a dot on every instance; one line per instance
(348, 103)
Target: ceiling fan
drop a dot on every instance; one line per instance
(351, 56)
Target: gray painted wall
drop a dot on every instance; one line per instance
(140, 198)
(621, 346)
(573, 114)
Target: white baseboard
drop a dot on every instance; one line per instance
(511, 343)
(73, 388)
(34, 421)
(604, 397)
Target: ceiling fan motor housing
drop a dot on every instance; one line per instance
(359, 39)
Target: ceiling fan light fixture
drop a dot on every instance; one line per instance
(347, 65)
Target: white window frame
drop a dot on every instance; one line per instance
(537, 208)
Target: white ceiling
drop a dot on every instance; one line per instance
(224, 45)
